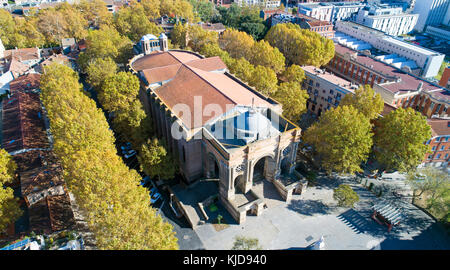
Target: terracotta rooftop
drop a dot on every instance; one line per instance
(23, 126)
(196, 78)
(51, 215)
(313, 22)
(407, 82)
(17, 67)
(23, 54)
(26, 82)
(160, 59)
(439, 127)
(40, 175)
(387, 109)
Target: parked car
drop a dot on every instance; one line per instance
(145, 181)
(154, 195)
(129, 153)
(126, 147)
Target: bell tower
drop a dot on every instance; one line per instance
(163, 43)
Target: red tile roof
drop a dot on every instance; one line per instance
(23, 127)
(407, 82)
(194, 78)
(440, 127)
(26, 82)
(23, 54)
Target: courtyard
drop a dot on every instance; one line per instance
(313, 214)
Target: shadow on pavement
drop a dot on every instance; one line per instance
(309, 207)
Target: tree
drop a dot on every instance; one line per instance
(399, 139)
(156, 161)
(117, 207)
(197, 37)
(7, 168)
(64, 21)
(263, 54)
(204, 9)
(366, 101)
(119, 92)
(103, 43)
(238, 44)
(245, 19)
(345, 196)
(177, 8)
(9, 208)
(7, 28)
(342, 137)
(246, 243)
(241, 68)
(26, 34)
(95, 12)
(179, 34)
(264, 80)
(133, 23)
(434, 185)
(293, 99)
(151, 8)
(294, 73)
(9, 205)
(99, 70)
(288, 38)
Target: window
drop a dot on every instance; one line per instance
(438, 139)
(442, 148)
(446, 156)
(430, 156)
(331, 91)
(428, 142)
(438, 156)
(434, 148)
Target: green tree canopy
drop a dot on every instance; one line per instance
(345, 196)
(400, 138)
(293, 99)
(366, 101)
(99, 70)
(119, 92)
(133, 23)
(300, 46)
(238, 44)
(116, 206)
(342, 137)
(264, 80)
(263, 54)
(7, 167)
(294, 73)
(95, 12)
(103, 43)
(156, 161)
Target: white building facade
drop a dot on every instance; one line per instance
(330, 11)
(431, 12)
(427, 60)
(390, 20)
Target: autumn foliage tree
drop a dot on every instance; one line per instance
(9, 205)
(366, 101)
(116, 206)
(342, 138)
(400, 138)
(293, 99)
(300, 46)
(156, 161)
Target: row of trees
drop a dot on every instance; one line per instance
(48, 26)
(9, 205)
(117, 207)
(118, 94)
(345, 136)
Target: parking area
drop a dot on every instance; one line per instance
(314, 214)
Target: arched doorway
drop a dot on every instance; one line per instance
(285, 166)
(213, 167)
(263, 168)
(239, 184)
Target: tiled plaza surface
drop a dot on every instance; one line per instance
(314, 214)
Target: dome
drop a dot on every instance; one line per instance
(148, 37)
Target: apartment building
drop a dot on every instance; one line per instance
(389, 20)
(325, 89)
(431, 12)
(398, 51)
(330, 11)
(439, 143)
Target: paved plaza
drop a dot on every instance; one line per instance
(314, 214)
